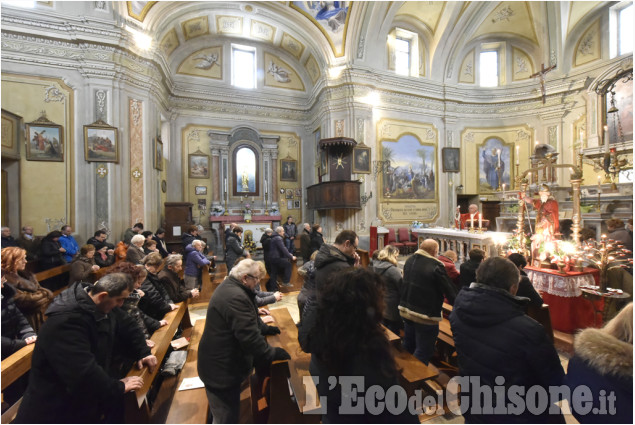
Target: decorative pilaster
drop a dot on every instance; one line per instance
(274, 177)
(135, 117)
(216, 181)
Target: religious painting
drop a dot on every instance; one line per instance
(289, 194)
(620, 122)
(200, 190)
(410, 171)
(158, 153)
(361, 160)
(297, 204)
(494, 165)
(331, 17)
(324, 163)
(198, 166)
(245, 171)
(101, 142)
(298, 193)
(202, 204)
(450, 158)
(288, 170)
(45, 141)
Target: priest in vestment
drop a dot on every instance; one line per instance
(471, 219)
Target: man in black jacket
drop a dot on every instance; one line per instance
(69, 382)
(279, 260)
(498, 345)
(233, 340)
(425, 284)
(468, 268)
(333, 258)
(305, 243)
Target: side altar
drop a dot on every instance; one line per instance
(462, 241)
(257, 226)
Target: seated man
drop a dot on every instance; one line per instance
(30, 243)
(499, 346)
(69, 243)
(69, 381)
(468, 268)
(525, 287)
(130, 232)
(7, 239)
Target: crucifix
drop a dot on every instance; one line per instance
(541, 74)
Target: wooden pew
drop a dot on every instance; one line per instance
(59, 272)
(543, 316)
(13, 368)
(137, 405)
(364, 257)
(190, 406)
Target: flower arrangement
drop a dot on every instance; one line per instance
(249, 244)
(247, 209)
(416, 224)
(274, 210)
(217, 209)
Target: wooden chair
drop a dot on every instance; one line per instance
(404, 238)
(391, 239)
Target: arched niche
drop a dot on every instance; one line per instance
(245, 169)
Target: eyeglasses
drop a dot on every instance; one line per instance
(253, 277)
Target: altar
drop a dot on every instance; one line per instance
(563, 293)
(462, 241)
(257, 226)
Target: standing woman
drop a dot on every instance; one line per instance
(83, 265)
(386, 267)
(159, 237)
(317, 240)
(31, 298)
(234, 248)
(194, 263)
(51, 251)
(345, 338)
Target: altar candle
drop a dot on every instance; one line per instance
(503, 187)
(517, 155)
(225, 184)
(252, 199)
(606, 137)
(599, 182)
(472, 220)
(480, 221)
(241, 199)
(499, 157)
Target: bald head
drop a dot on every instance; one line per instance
(430, 246)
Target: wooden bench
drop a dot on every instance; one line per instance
(543, 316)
(13, 368)
(137, 405)
(59, 272)
(190, 406)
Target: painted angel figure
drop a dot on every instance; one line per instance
(280, 74)
(206, 61)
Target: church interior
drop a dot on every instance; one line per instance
(505, 126)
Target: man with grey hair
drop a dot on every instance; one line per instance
(279, 258)
(69, 380)
(7, 239)
(425, 284)
(501, 346)
(170, 280)
(233, 341)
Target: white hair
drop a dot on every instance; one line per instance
(137, 238)
(197, 242)
(245, 267)
(279, 229)
(268, 231)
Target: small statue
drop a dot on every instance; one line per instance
(547, 220)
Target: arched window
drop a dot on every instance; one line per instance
(246, 171)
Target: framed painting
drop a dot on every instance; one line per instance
(101, 142)
(45, 141)
(411, 169)
(288, 170)
(450, 158)
(298, 193)
(158, 153)
(296, 204)
(324, 163)
(494, 165)
(200, 190)
(198, 165)
(361, 160)
(289, 194)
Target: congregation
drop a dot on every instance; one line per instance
(89, 335)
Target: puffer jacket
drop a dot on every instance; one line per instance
(602, 363)
(155, 301)
(15, 328)
(234, 249)
(394, 284)
(81, 268)
(327, 261)
(493, 337)
(194, 260)
(425, 284)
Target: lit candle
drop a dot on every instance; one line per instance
(472, 220)
(536, 143)
(606, 137)
(503, 187)
(265, 186)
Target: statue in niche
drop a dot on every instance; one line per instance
(245, 181)
(245, 170)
